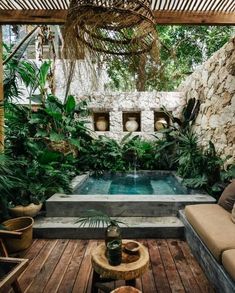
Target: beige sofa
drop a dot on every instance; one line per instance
(210, 233)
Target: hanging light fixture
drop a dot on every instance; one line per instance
(116, 27)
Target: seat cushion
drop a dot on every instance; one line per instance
(227, 198)
(228, 261)
(214, 226)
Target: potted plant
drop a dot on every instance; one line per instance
(26, 199)
(95, 218)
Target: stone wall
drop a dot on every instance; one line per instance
(213, 83)
(146, 103)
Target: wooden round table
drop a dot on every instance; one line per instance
(128, 270)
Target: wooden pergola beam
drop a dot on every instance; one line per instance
(194, 18)
(162, 17)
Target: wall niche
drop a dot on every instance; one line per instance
(131, 121)
(161, 120)
(101, 121)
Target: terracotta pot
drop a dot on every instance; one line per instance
(101, 123)
(24, 225)
(30, 210)
(131, 125)
(161, 123)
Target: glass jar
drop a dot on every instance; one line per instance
(114, 252)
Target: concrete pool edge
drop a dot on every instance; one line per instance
(60, 197)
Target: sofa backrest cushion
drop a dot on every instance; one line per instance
(227, 198)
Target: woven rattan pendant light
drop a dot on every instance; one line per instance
(116, 27)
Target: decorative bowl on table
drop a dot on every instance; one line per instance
(132, 247)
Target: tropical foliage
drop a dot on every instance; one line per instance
(182, 48)
(47, 145)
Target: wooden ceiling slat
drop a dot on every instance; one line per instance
(220, 8)
(225, 5)
(187, 4)
(42, 3)
(158, 4)
(9, 3)
(63, 4)
(20, 4)
(175, 5)
(215, 8)
(230, 5)
(3, 5)
(165, 4)
(232, 9)
(203, 5)
(32, 4)
(209, 5)
(192, 5)
(169, 5)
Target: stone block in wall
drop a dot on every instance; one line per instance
(147, 121)
(116, 121)
(230, 84)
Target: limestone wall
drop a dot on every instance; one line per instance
(146, 103)
(213, 84)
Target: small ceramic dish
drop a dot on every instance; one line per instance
(132, 247)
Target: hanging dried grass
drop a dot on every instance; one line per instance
(112, 27)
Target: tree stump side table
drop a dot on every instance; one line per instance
(104, 272)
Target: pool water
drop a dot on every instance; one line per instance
(161, 184)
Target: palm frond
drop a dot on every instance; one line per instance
(95, 218)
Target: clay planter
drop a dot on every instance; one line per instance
(160, 124)
(23, 225)
(30, 210)
(101, 123)
(131, 125)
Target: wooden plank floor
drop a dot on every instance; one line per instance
(64, 266)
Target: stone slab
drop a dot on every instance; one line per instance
(137, 227)
(61, 205)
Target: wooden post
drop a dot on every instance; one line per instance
(1, 95)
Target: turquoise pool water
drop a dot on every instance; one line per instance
(161, 184)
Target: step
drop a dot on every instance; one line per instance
(62, 205)
(137, 227)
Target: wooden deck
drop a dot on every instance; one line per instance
(64, 266)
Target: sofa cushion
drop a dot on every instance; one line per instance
(228, 261)
(214, 226)
(227, 198)
(233, 214)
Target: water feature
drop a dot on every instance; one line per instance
(132, 183)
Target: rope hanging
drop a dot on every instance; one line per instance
(115, 27)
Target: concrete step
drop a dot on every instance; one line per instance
(62, 205)
(137, 227)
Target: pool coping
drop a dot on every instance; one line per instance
(59, 197)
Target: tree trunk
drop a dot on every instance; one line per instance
(141, 76)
